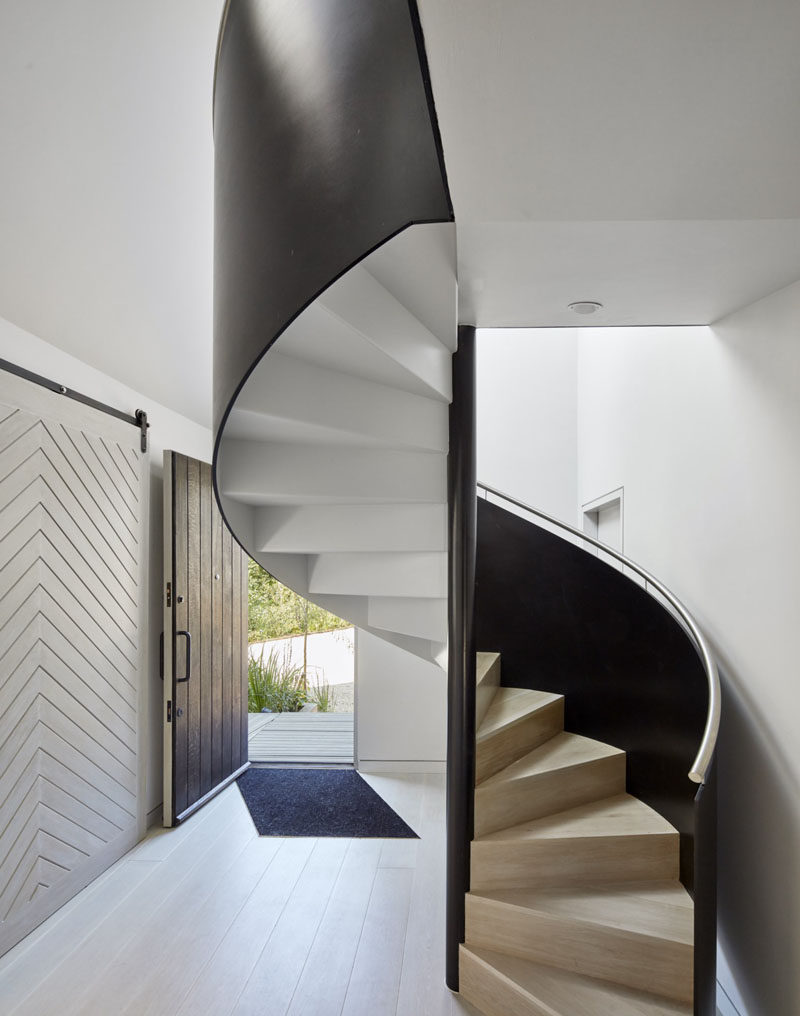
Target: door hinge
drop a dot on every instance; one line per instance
(169, 594)
(169, 710)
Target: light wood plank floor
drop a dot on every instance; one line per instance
(211, 919)
(320, 738)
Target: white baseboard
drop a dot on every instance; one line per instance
(369, 765)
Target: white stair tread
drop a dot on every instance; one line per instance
(360, 301)
(621, 815)
(288, 398)
(266, 472)
(562, 751)
(321, 338)
(563, 993)
(510, 706)
(662, 910)
(424, 618)
(316, 529)
(418, 267)
(420, 575)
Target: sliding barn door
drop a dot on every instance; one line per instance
(205, 642)
(73, 505)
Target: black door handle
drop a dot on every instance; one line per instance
(188, 672)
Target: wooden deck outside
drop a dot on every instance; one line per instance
(319, 738)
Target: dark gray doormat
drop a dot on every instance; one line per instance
(318, 802)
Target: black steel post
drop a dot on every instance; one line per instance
(705, 896)
(462, 509)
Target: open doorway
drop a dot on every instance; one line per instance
(248, 668)
(603, 519)
(301, 678)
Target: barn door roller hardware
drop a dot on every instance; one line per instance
(139, 418)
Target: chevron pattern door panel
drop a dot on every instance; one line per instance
(72, 510)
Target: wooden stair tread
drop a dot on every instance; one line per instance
(562, 751)
(510, 706)
(662, 910)
(484, 664)
(498, 984)
(487, 681)
(617, 816)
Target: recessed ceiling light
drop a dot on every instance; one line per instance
(585, 306)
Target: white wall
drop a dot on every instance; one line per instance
(527, 415)
(702, 428)
(167, 430)
(401, 708)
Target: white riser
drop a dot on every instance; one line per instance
(415, 575)
(287, 399)
(423, 618)
(318, 528)
(362, 302)
(262, 473)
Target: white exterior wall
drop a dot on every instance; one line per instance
(702, 428)
(167, 430)
(400, 709)
(527, 415)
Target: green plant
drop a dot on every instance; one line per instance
(322, 695)
(274, 684)
(275, 610)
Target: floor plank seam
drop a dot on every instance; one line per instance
(360, 936)
(275, 925)
(230, 924)
(196, 902)
(322, 919)
(173, 890)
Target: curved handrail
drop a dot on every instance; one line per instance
(220, 34)
(708, 743)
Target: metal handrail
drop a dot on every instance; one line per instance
(708, 743)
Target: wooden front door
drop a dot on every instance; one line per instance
(205, 642)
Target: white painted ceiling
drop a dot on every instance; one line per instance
(642, 153)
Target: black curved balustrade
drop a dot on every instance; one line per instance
(565, 621)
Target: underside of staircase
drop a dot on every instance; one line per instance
(333, 460)
(575, 907)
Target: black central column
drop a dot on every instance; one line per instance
(462, 512)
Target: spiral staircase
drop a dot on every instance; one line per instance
(342, 467)
(575, 902)
(333, 458)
